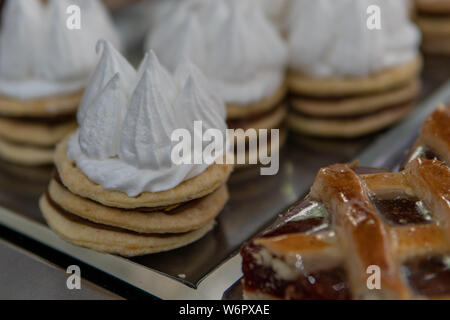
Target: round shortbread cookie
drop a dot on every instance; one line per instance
(115, 242)
(189, 217)
(356, 105)
(433, 6)
(236, 111)
(42, 107)
(338, 87)
(347, 128)
(433, 26)
(265, 149)
(25, 154)
(78, 183)
(270, 121)
(436, 44)
(35, 133)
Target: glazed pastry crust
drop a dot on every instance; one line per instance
(338, 87)
(78, 183)
(42, 107)
(358, 104)
(236, 111)
(347, 128)
(188, 218)
(35, 133)
(115, 242)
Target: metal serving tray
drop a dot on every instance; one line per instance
(207, 268)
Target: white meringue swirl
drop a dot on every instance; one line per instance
(124, 140)
(40, 56)
(231, 41)
(330, 38)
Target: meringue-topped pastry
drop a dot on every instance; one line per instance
(124, 140)
(237, 48)
(44, 68)
(351, 78)
(40, 56)
(117, 169)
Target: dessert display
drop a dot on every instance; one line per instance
(433, 18)
(398, 222)
(357, 218)
(116, 188)
(347, 80)
(240, 52)
(44, 67)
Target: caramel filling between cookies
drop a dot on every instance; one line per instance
(399, 106)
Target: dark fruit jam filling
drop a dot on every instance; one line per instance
(402, 210)
(306, 216)
(322, 285)
(429, 277)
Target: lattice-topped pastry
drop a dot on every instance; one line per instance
(434, 139)
(326, 245)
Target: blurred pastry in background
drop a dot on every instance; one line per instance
(44, 67)
(117, 188)
(276, 11)
(118, 4)
(346, 79)
(433, 18)
(241, 53)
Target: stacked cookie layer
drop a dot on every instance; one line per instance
(343, 107)
(29, 130)
(121, 186)
(433, 18)
(82, 212)
(350, 79)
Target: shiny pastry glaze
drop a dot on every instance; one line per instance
(305, 216)
(419, 152)
(427, 276)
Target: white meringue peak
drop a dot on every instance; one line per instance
(40, 56)
(148, 125)
(231, 41)
(100, 128)
(330, 38)
(124, 141)
(111, 62)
